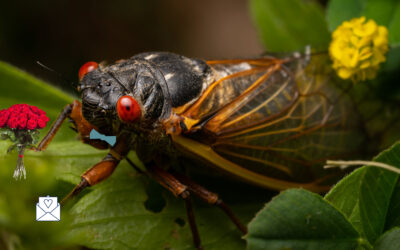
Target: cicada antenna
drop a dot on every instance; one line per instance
(46, 67)
(59, 75)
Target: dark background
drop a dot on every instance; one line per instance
(65, 34)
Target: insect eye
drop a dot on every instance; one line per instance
(128, 109)
(86, 68)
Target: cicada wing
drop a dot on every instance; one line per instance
(270, 94)
(286, 124)
(230, 79)
(205, 153)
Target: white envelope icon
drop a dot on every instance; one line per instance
(48, 209)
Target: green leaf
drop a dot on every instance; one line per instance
(289, 25)
(299, 219)
(393, 59)
(4, 134)
(393, 216)
(365, 194)
(114, 216)
(380, 11)
(342, 10)
(385, 13)
(394, 26)
(35, 134)
(389, 240)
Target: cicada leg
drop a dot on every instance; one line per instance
(178, 189)
(83, 127)
(210, 198)
(94, 175)
(180, 185)
(101, 170)
(54, 128)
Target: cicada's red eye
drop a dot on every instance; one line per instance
(128, 109)
(86, 68)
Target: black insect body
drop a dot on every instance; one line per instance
(269, 121)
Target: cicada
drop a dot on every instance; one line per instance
(269, 121)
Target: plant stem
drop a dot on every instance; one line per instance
(345, 164)
(20, 169)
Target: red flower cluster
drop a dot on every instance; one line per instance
(23, 116)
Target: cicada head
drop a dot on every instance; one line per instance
(126, 95)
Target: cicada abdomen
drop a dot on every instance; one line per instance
(273, 122)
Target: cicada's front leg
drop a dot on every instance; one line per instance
(54, 128)
(94, 175)
(74, 112)
(99, 171)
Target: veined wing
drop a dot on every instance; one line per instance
(283, 125)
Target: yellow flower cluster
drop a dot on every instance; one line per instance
(357, 49)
